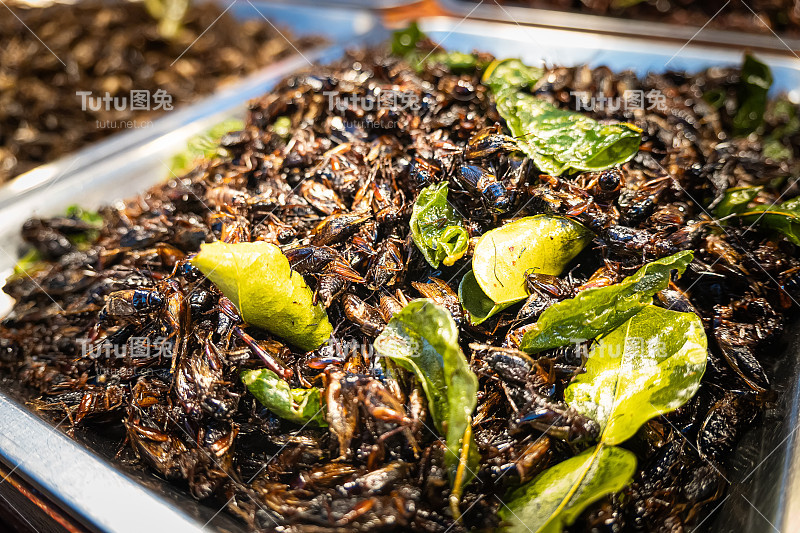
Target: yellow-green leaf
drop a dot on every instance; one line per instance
(543, 244)
(298, 405)
(650, 365)
(504, 75)
(423, 338)
(203, 145)
(29, 263)
(558, 495)
(257, 278)
(594, 312)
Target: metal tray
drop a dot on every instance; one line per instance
(765, 469)
(515, 14)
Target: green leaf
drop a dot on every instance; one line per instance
(776, 150)
(784, 218)
(91, 218)
(423, 339)
(454, 61)
(752, 94)
(544, 244)
(557, 140)
(257, 278)
(297, 405)
(169, 14)
(555, 498)
(478, 306)
(204, 146)
(29, 263)
(624, 4)
(594, 312)
(781, 113)
(715, 97)
(736, 200)
(650, 365)
(508, 75)
(436, 228)
(404, 41)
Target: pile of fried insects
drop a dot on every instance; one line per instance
(420, 291)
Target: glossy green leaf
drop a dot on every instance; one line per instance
(297, 405)
(436, 228)
(203, 146)
(543, 244)
(257, 278)
(423, 339)
(735, 200)
(555, 498)
(594, 312)
(557, 140)
(784, 217)
(752, 94)
(650, 365)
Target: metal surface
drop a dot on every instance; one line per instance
(766, 466)
(97, 494)
(515, 14)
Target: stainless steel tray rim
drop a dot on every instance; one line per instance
(616, 26)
